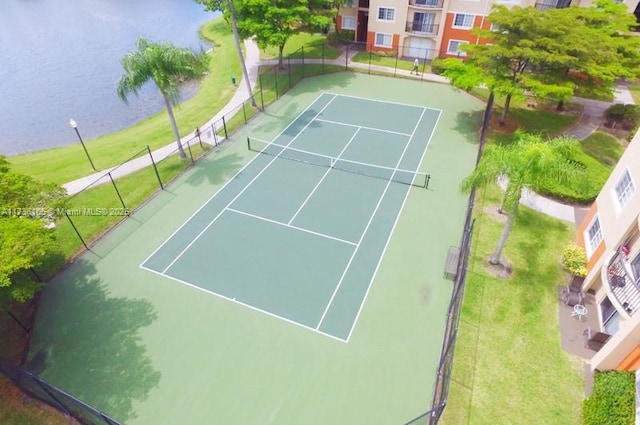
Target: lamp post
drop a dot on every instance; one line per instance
(74, 125)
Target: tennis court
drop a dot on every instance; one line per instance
(313, 210)
(325, 236)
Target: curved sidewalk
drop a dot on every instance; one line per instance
(252, 60)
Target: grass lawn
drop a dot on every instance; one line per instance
(603, 147)
(635, 92)
(314, 47)
(509, 367)
(64, 164)
(388, 61)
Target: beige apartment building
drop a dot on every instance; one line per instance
(610, 233)
(426, 29)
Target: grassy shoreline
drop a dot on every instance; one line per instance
(63, 164)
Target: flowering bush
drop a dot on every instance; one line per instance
(574, 259)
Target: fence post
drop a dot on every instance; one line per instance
(199, 138)
(275, 78)
(190, 153)
(244, 113)
(395, 68)
(224, 126)
(155, 168)
(117, 191)
(322, 58)
(76, 230)
(289, 68)
(424, 65)
(26, 330)
(346, 59)
(49, 393)
(261, 95)
(370, 54)
(215, 134)
(302, 61)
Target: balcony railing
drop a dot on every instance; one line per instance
(427, 4)
(622, 285)
(552, 4)
(421, 28)
(363, 3)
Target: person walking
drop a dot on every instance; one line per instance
(416, 64)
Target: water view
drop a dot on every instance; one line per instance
(60, 59)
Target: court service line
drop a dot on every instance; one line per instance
(280, 223)
(324, 176)
(228, 182)
(365, 127)
(384, 101)
(249, 306)
(366, 229)
(384, 250)
(243, 190)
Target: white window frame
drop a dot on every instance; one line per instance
(456, 52)
(455, 16)
(591, 244)
(384, 34)
(391, 10)
(622, 195)
(344, 27)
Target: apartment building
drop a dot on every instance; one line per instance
(610, 233)
(426, 29)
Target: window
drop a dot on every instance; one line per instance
(635, 267)
(624, 189)
(428, 3)
(593, 236)
(348, 22)
(423, 22)
(454, 47)
(609, 316)
(462, 20)
(383, 40)
(386, 14)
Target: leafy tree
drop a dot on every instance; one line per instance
(226, 6)
(165, 65)
(26, 207)
(526, 163)
(273, 22)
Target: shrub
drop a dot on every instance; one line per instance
(436, 66)
(574, 259)
(341, 36)
(612, 401)
(628, 116)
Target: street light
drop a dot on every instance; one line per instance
(74, 125)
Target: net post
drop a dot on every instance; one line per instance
(248, 143)
(76, 230)
(155, 168)
(426, 183)
(117, 191)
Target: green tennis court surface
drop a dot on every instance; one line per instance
(312, 214)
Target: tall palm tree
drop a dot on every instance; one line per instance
(529, 162)
(165, 65)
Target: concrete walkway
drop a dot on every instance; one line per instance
(591, 118)
(252, 60)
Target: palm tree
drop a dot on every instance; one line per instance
(529, 162)
(165, 65)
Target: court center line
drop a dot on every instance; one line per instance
(360, 126)
(366, 229)
(280, 223)
(375, 272)
(244, 188)
(249, 306)
(324, 176)
(228, 182)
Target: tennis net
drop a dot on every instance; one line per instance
(397, 175)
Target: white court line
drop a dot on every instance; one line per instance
(324, 176)
(385, 101)
(366, 229)
(375, 272)
(280, 223)
(360, 126)
(228, 182)
(249, 306)
(243, 189)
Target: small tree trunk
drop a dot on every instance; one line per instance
(560, 106)
(495, 257)
(280, 57)
(505, 111)
(236, 38)
(172, 118)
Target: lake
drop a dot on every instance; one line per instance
(60, 59)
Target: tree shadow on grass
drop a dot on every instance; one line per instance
(88, 343)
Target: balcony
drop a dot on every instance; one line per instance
(552, 4)
(363, 4)
(427, 4)
(421, 28)
(622, 285)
